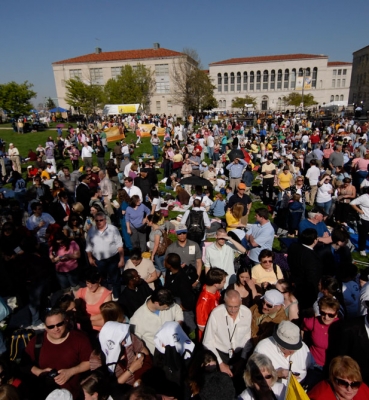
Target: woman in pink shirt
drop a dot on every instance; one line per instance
(327, 151)
(64, 253)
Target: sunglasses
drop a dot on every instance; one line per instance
(58, 325)
(261, 377)
(325, 314)
(99, 220)
(346, 385)
(267, 262)
(268, 305)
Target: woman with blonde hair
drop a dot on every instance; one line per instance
(233, 217)
(261, 379)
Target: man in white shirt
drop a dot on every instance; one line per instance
(151, 316)
(86, 155)
(284, 346)
(131, 189)
(13, 154)
(228, 332)
(313, 174)
(220, 254)
(39, 221)
(361, 206)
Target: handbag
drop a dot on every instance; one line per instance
(163, 244)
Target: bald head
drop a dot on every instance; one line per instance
(232, 295)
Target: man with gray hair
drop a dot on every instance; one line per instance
(228, 332)
(315, 220)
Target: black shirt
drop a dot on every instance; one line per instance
(245, 200)
(132, 299)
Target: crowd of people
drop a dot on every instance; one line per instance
(118, 297)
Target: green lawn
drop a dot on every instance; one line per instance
(32, 140)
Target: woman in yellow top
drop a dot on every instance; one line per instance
(264, 273)
(285, 179)
(233, 217)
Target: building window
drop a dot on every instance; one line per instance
(96, 75)
(307, 72)
(75, 73)
(338, 82)
(343, 82)
(158, 106)
(332, 98)
(279, 79)
(344, 72)
(258, 80)
(293, 79)
(161, 69)
(238, 81)
(232, 81)
(333, 83)
(169, 105)
(334, 72)
(272, 79)
(162, 87)
(340, 72)
(219, 82)
(341, 97)
(265, 80)
(224, 104)
(115, 71)
(301, 72)
(226, 82)
(245, 81)
(252, 80)
(314, 77)
(286, 79)
(337, 97)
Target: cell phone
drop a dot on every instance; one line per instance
(296, 373)
(17, 250)
(53, 373)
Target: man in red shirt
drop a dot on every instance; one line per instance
(63, 356)
(209, 297)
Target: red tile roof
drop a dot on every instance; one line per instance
(337, 63)
(121, 55)
(283, 57)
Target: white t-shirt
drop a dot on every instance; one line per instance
(157, 201)
(279, 389)
(323, 194)
(210, 141)
(313, 174)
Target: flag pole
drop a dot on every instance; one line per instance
(288, 379)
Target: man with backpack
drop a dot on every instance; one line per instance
(197, 221)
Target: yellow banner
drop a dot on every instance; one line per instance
(127, 109)
(295, 390)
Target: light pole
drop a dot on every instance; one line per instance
(302, 89)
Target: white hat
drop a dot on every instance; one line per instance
(273, 297)
(287, 335)
(60, 394)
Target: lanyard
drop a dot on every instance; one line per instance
(229, 333)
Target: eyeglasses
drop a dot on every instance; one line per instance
(346, 385)
(267, 262)
(261, 377)
(58, 325)
(325, 314)
(268, 305)
(99, 220)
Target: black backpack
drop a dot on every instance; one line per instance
(195, 226)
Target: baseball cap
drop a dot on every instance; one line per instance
(241, 186)
(270, 157)
(181, 229)
(273, 297)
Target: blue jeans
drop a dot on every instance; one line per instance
(108, 268)
(325, 206)
(210, 152)
(126, 236)
(68, 279)
(155, 150)
(35, 293)
(159, 263)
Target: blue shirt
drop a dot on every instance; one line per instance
(320, 227)
(135, 217)
(264, 236)
(236, 169)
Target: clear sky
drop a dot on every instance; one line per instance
(36, 33)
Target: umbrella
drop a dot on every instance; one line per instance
(358, 109)
(196, 181)
(235, 153)
(60, 126)
(58, 110)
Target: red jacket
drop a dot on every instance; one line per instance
(323, 391)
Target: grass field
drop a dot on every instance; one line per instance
(32, 140)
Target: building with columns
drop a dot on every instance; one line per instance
(99, 67)
(270, 78)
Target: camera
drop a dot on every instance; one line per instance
(53, 373)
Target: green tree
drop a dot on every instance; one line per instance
(239, 102)
(295, 99)
(131, 86)
(193, 89)
(15, 98)
(50, 103)
(84, 97)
